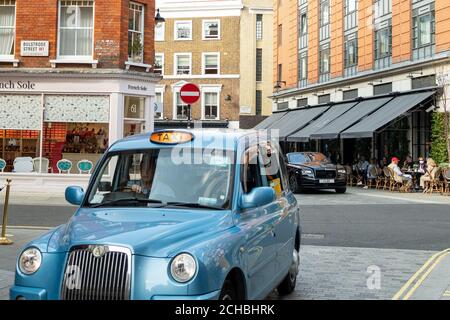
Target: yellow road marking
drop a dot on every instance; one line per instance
(418, 273)
(424, 276)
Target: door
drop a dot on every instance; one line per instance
(259, 245)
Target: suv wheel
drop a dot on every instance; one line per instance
(341, 190)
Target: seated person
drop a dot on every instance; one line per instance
(429, 175)
(399, 176)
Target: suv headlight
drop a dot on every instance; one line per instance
(307, 172)
(183, 267)
(30, 261)
(342, 171)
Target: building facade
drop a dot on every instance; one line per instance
(75, 76)
(213, 44)
(329, 51)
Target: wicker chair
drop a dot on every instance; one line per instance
(387, 179)
(446, 184)
(436, 185)
(394, 184)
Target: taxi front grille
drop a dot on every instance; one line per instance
(97, 273)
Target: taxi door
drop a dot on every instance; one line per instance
(259, 247)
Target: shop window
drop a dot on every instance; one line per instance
(183, 64)
(160, 31)
(134, 115)
(16, 144)
(211, 106)
(74, 142)
(7, 27)
(76, 29)
(210, 63)
(211, 29)
(182, 110)
(183, 30)
(159, 64)
(136, 33)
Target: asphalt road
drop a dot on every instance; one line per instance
(328, 219)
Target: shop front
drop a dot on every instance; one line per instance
(55, 127)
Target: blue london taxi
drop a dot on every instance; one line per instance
(173, 214)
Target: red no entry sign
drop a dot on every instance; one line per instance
(190, 93)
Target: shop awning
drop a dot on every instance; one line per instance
(296, 120)
(346, 120)
(390, 111)
(266, 123)
(332, 113)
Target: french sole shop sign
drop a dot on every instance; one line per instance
(17, 85)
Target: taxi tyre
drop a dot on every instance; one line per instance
(287, 286)
(293, 184)
(341, 190)
(228, 291)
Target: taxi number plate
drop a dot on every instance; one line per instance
(326, 181)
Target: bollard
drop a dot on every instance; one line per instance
(3, 239)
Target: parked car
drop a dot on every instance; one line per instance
(313, 170)
(172, 215)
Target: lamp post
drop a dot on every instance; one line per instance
(158, 18)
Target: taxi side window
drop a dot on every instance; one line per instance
(251, 175)
(270, 167)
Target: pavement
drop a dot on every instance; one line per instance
(397, 248)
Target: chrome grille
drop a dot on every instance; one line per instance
(325, 174)
(97, 273)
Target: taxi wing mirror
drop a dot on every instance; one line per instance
(74, 195)
(258, 197)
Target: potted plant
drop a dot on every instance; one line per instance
(136, 50)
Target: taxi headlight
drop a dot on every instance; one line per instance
(30, 261)
(183, 267)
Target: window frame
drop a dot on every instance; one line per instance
(259, 26)
(161, 92)
(348, 40)
(204, 54)
(176, 93)
(175, 63)
(142, 33)
(162, 63)
(11, 56)
(377, 42)
(204, 29)
(162, 25)
(321, 64)
(58, 48)
(416, 34)
(175, 33)
(217, 92)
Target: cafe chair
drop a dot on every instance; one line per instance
(395, 185)
(64, 166)
(2, 165)
(85, 166)
(387, 179)
(44, 163)
(446, 184)
(23, 165)
(436, 185)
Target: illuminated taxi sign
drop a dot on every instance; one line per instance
(171, 137)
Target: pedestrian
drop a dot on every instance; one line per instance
(429, 175)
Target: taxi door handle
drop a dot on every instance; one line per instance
(272, 232)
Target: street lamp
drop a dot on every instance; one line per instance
(277, 86)
(159, 19)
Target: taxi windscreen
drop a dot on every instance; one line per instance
(195, 178)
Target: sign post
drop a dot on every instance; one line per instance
(189, 94)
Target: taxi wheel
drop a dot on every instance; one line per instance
(287, 286)
(228, 291)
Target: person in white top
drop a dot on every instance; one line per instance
(399, 176)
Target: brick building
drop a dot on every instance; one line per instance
(74, 77)
(363, 56)
(203, 42)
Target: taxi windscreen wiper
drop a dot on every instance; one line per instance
(131, 199)
(193, 205)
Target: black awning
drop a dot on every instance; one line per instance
(266, 123)
(177, 124)
(349, 118)
(297, 120)
(332, 113)
(390, 111)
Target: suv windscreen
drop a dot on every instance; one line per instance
(161, 176)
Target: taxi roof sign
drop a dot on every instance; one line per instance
(171, 137)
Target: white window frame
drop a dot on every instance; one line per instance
(175, 63)
(87, 58)
(142, 30)
(160, 90)
(4, 57)
(211, 88)
(162, 25)
(176, 91)
(204, 54)
(175, 29)
(204, 29)
(163, 61)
